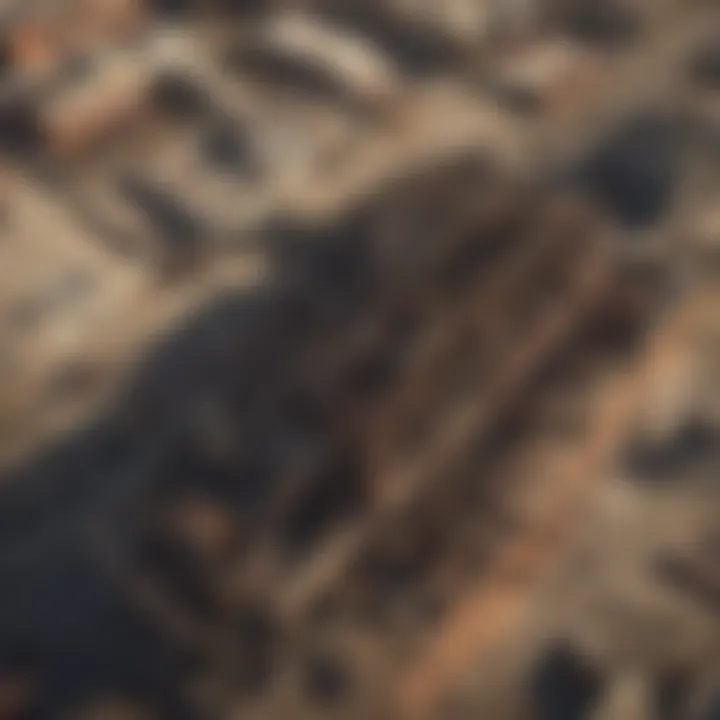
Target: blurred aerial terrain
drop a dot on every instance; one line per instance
(360, 359)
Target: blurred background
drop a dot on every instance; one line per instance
(360, 359)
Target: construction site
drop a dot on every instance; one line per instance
(373, 368)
